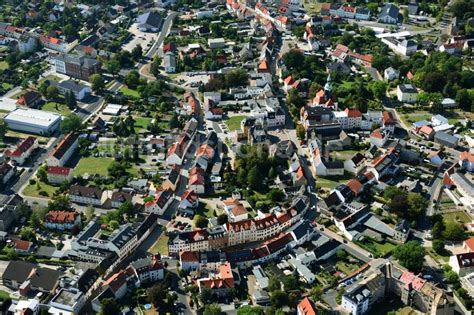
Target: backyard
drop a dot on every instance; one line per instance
(129, 92)
(457, 216)
(93, 165)
(39, 190)
(142, 122)
(442, 258)
(234, 122)
(378, 249)
(56, 107)
(161, 245)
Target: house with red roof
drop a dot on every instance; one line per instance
(56, 44)
(23, 247)
(59, 174)
(468, 245)
(426, 132)
(235, 210)
(62, 220)
(219, 283)
(197, 181)
(161, 202)
(23, 151)
(306, 307)
(388, 121)
(64, 150)
(378, 137)
(189, 202)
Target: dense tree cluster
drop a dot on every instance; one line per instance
(408, 205)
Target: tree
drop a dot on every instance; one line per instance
(250, 310)
(379, 89)
(438, 246)
(464, 100)
(137, 53)
(52, 92)
(341, 254)
(113, 66)
(254, 179)
(113, 225)
(294, 59)
(291, 283)
(300, 132)
(222, 219)
(89, 213)
(433, 82)
(3, 129)
(417, 204)
(399, 204)
(109, 306)
(132, 79)
(155, 66)
(451, 277)
(127, 209)
(212, 309)
(206, 295)
(279, 298)
(405, 15)
(97, 82)
(453, 231)
(27, 233)
(392, 191)
(71, 123)
(411, 255)
(316, 293)
(156, 294)
(70, 100)
(236, 78)
(59, 202)
(200, 221)
(42, 174)
(274, 284)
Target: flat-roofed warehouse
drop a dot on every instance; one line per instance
(33, 121)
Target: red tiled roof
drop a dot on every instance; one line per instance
(189, 256)
(22, 245)
(59, 170)
(412, 281)
(388, 118)
(116, 281)
(61, 217)
(305, 307)
(355, 185)
(466, 156)
(353, 113)
(22, 147)
(470, 243)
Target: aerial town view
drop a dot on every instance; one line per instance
(249, 157)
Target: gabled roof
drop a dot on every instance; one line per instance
(59, 170)
(24, 146)
(64, 145)
(305, 307)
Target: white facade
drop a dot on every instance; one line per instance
(33, 121)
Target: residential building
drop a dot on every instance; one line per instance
(169, 62)
(389, 14)
(64, 150)
(56, 44)
(219, 283)
(235, 210)
(30, 99)
(306, 307)
(149, 22)
(59, 174)
(6, 172)
(87, 195)
(147, 270)
(445, 139)
(67, 301)
(161, 202)
(356, 302)
(23, 151)
(405, 47)
(78, 67)
(33, 121)
(466, 161)
(62, 220)
(118, 198)
(391, 74)
(80, 91)
(407, 93)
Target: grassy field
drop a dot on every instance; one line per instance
(442, 259)
(93, 165)
(453, 116)
(161, 245)
(129, 92)
(313, 7)
(343, 155)
(234, 122)
(3, 65)
(32, 190)
(142, 122)
(4, 295)
(329, 182)
(376, 248)
(346, 268)
(56, 108)
(50, 78)
(7, 86)
(458, 216)
(410, 118)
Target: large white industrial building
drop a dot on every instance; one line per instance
(33, 121)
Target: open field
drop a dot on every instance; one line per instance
(93, 165)
(56, 107)
(234, 122)
(457, 216)
(44, 191)
(161, 245)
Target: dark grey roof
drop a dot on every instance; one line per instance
(82, 61)
(334, 164)
(87, 279)
(45, 278)
(150, 19)
(326, 247)
(169, 60)
(123, 236)
(389, 10)
(302, 229)
(18, 271)
(407, 88)
(45, 251)
(71, 86)
(444, 137)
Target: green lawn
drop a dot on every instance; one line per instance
(346, 268)
(343, 155)
(7, 86)
(313, 7)
(234, 122)
(330, 183)
(50, 78)
(410, 118)
(56, 107)
(93, 165)
(205, 210)
(458, 216)
(161, 245)
(378, 249)
(3, 65)
(45, 190)
(441, 259)
(129, 92)
(142, 122)
(4, 295)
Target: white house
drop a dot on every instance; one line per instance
(160, 203)
(23, 151)
(87, 195)
(390, 74)
(169, 62)
(62, 220)
(407, 93)
(80, 91)
(59, 174)
(216, 43)
(235, 210)
(64, 150)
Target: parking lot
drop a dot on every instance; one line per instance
(138, 37)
